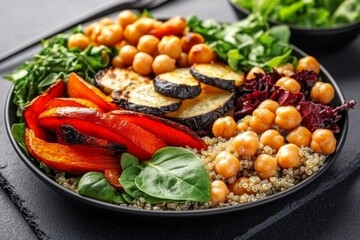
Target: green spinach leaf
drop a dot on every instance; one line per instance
(18, 132)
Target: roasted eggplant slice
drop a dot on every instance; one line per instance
(200, 112)
(142, 97)
(217, 75)
(178, 83)
(116, 79)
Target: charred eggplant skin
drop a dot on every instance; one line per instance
(213, 80)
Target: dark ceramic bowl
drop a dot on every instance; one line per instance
(107, 208)
(314, 40)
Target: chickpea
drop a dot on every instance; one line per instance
(246, 143)
(287, 117)
(272, 138)
(182, 60)
(177, 23)
(287, 69)
(78, 40)
(323, 141)
(300, 136)
(95, 32)
(265, 165)
(224, 127)
(142, 63)
(238, 188)
(262, 119)
(322, 92)
(148, 44)
(269, 104)
(110, 35)
(131, 34)
(308, 63)
(171, 46)
(288, 84)
(125, 18)
(118, 61)
(201, 53)
(145, 24)
(288, 156)
(163, 63)
(106, 21)
(127, 53)
(88, 30)
(190, 39)
(226, 164)
(218, 192)
(251, 74)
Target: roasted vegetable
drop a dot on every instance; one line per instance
(202, 111)
(177, 84)
(172, 133)
(66, 158)
(217, 75)
(142, 97)
(71, 102)
(68, 135)
(36, 106)
(137, 140)
(79, 88)
(117, 79)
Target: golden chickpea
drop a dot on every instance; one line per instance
(125, 18)
(142, 63)
(78, 40)
(148, 44)
(288, 156)
(251, 74)
(127, 53)
(117, 61)
(287, 117)
(95, 32)
(171, 46)
(226, 164)
(224, 127)
(190, 39)
(300, 136)
(269, 104)
(131, 34)
(163, 63)
(238, 188)
(308, 63)
(323, 141)
(288, 84)
(106, 21)
(218, 192)
(272, 138)
(322, 92)
(182, 60)
(110, 35)
(246, 143)
(262, 119)
(177, 23)
(88, 30)
(201, 53)
(287, 69)
(265, 165)
(145, 24)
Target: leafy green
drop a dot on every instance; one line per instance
(172, 174)
(306, 13)
(55, 61)
(96, 186)
(18, 132)
(247, 43)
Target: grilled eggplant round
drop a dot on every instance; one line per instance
(178, 83)
(199, 113)
(217, 75)
(142, 97)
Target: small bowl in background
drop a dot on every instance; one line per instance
(314, 40)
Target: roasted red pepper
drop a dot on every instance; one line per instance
(66, 158)
(137, 140)
(36, 106)
(172, 133)
(113, 175)
(71, 102)
(79, 88)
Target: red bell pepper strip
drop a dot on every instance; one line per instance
(71, 102)
(113, 175)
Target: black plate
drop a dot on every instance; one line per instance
(311, 40)
(10, 118)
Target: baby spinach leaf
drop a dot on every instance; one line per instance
(128, 160)
(96, 186)
(18, 132)
(176, 174)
